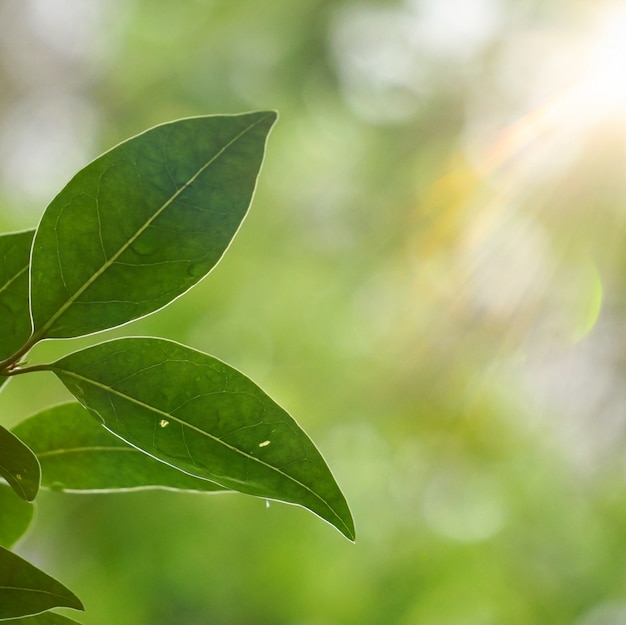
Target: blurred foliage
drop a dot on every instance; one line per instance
(430, 280)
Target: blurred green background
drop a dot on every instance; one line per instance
(430, 280)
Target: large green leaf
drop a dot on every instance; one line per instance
(200, 415)
(15, 516)
(18, 465)
(144, 222)
(45, 618)
(77, 454)
(15, 324)
(26, 590)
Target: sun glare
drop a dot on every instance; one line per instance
(587, 96)
(596, 95)
(602, 88)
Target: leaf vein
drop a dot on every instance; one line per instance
(198, 430)
(105, 266)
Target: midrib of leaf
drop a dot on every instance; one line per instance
(108, 262)
(168, 415)
(11, 280)
(37, 590)
(77, 450)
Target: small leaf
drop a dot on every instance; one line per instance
(78, 454)
(18, 465)
(45, 618)
(15, 324)
(26, 590)
(15, 516)
(144, 222)
(198, 414)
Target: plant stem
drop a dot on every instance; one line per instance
(19, 370)
(22, 351)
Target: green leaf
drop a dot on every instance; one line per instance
(18, 465)
(15, 324)
(198, 414)
(15, 516)
(26, 590)
(144, 222)
(78, 454)
(45, 618)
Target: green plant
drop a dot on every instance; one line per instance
(129, 233)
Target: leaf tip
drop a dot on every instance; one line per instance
(348, 529)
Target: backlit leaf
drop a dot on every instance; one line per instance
(200, 415)
(78, 454)
(15, 324)
(26, 590)
(15, 516)
(18, 465)
(45, 618)
(144, 222)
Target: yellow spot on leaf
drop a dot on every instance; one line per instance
(164, 423)
(264, 443)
